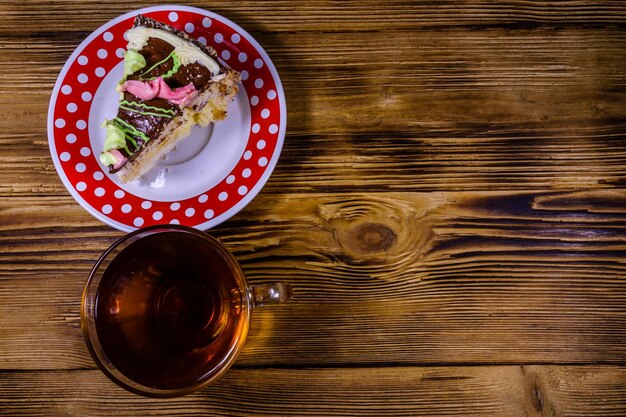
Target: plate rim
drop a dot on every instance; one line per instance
(245, 200)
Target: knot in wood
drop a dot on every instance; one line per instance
(371, 237)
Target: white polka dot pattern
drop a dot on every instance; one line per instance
(80, 163)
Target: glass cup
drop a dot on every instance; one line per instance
(166, 310)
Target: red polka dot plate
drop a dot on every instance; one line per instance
(212, 174)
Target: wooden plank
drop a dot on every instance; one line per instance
(535, 70)
(406, 278)
(451, 192)
(454, 110)
(24, 18)
(509, 391)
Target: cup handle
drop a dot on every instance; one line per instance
(270, 294)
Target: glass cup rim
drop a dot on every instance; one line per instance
(90, 334)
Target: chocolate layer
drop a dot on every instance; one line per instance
(155, 51)
(144, 21)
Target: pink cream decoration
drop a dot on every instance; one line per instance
(119, 158)
(180, 95)
(147, 90)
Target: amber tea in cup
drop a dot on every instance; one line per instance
(166, 310)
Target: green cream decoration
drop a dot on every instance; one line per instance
(133, 61)
(107, 159)
(175, 67)
(147, 110)
(130, 130)
(115, 138)
(145, 113)
(174, 70)
(118, 132)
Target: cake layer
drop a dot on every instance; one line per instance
(171, 82)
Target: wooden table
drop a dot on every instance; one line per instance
(450, 207)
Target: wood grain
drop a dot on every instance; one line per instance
(455, 110)
(403, 391)
(450, 207)
(411, 278)
(316, 16)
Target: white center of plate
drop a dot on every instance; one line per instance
(198, 163)
(188, 147)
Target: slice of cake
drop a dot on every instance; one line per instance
(171, 82)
